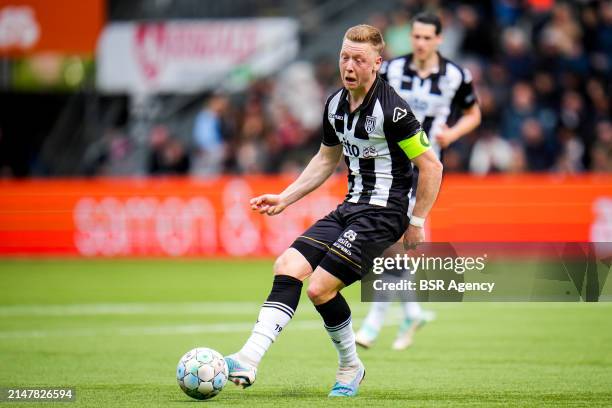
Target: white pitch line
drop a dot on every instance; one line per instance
(95, 309)
(194, 308)
(152, 330)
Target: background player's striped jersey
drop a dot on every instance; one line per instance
(379, 172)
(435, 99)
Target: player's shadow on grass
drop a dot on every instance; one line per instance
(195, 401)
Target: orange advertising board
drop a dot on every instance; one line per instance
(198, 217)
(59, 26)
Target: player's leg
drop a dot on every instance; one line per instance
(324, 292)
(412, 312)
(372, 324)
(368, 232)
(415, 318)
(370, 328)
(290, 269)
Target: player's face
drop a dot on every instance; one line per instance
(425, 41)
(359, 63)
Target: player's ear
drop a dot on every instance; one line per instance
(377, 62)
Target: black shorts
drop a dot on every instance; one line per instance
(345, 241)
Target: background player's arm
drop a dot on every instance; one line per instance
(465, 100)
(470, 119)
(321, 166)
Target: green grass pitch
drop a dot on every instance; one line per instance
(115, 329)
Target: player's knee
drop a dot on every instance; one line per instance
(286, 264)
(319, 294)
(281, 265)
(313, 292)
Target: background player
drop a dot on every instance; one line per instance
(438, 91)
(375, 129)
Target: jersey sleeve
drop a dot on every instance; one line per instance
(330, 138)
(465, 96)
(403, 128)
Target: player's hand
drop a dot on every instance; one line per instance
(413, 236)
(270, 204)
(445, 136)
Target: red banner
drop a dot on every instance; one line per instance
(192, 217)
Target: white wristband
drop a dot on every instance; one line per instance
(417, 221)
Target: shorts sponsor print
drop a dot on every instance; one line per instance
(345, 241)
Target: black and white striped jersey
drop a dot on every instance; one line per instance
(379, 171)
(435, 99)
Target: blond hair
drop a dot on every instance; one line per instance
(364, 33)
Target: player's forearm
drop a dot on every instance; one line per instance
(427, 189)
(318, 170)
(468, 122)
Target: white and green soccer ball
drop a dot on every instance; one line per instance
(202, 373)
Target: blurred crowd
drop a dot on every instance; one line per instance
(541, 70)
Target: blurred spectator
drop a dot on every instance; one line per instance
(518, 59)
(251, 151)
(600, 101)
(488, 108)
(540, 154)
(167, 154)
(507, 12)
(601, 58)
(572, 114)
(478, 36)
(491, 154)
(572, 150)
(523, 107)
(112, 155)
(563, 29)
(452, 160)
(518, 160)
(208, 137)
(546, 91)
(601, 155)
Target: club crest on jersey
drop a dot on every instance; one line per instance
(350, 235)
(370, 123)
(369, 151)
(399, 113)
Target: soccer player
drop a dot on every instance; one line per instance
(437, 90)
(375, 130)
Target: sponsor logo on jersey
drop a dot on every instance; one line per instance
(334, 116)
(369, 151)
(399, 113)
(370, 123)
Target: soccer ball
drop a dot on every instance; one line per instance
(201, 373)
